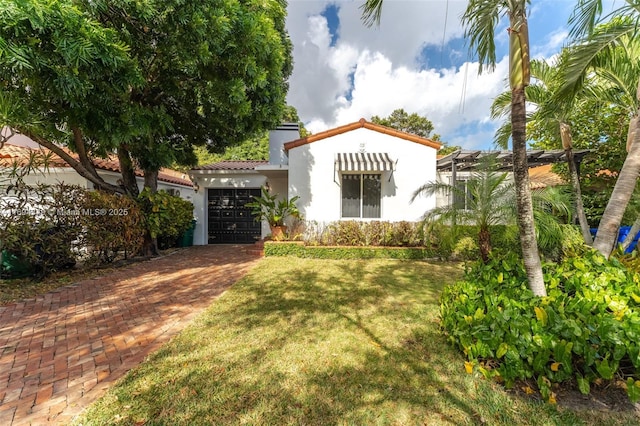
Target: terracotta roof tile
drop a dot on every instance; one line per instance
(10, 153)
(233, 165)
(362, 123)
(542, 176)
(20, 154)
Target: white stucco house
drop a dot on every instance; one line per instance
(359, 171)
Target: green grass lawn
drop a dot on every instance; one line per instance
(322, 342)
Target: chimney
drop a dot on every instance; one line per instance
(286, 132)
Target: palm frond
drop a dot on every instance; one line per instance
(503, 135)
(431, 188)
(584, 56)
(584, 17)
(371, 12)
(501, 105)
(480, 20)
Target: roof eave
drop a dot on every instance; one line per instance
(362, 123)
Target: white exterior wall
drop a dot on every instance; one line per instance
(312, 176)
(222, 179)
(56, 175)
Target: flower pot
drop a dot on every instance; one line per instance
(278, 233)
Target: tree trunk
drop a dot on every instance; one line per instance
(567, 144)
(127, 171)
(151, 180)
(631, 235)
(524, 205)
(87, 172)
(81, 150)
(519, 77)
(625, 184)
(484, 244)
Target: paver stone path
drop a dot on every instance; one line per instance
(62, 350)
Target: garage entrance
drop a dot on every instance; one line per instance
(230, 222)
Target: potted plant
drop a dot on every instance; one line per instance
(274, 212)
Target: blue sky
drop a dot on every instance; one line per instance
(416, 59)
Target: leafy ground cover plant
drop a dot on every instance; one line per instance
(586, 330)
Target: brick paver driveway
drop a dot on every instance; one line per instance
(61, 351)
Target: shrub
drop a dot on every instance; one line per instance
(466, 249)
(630, 260)
(165, 215)
(360, 233)
(39, 227)
(586, 329)
(114, 227)
(335, 252)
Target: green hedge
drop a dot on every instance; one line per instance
(298, 249)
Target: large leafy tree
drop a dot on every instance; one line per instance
(480, 20)
(599, 50)
(553, 117)
(148, 80)
(255, 147)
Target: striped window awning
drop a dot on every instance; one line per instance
(364, 162)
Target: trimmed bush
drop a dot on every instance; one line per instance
(365, 233)
(338, 252)
(586, 329)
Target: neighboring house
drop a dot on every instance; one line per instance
(360, 171)
(58, 171)
(462, 164)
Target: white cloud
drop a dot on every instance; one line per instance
(372, 71)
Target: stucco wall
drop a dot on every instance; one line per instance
(56, 175)
(312, 176)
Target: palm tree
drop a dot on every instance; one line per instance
(487, 199)
(480, 20)
(555, 116)
(600, 49)
(484, 196)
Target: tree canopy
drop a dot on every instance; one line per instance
(412, 123)
(149, 80)
(255, 147)
(415, 124)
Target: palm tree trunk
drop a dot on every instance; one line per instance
(577, 192)
(625, 184)
(524, 205)
(631, 235)
(519, 76)
(567, 145)
(484, 243)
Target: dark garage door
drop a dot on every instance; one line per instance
(230, 222)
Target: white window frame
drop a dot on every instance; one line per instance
(361, 174)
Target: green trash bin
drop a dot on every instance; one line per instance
(13, 267)
(187, 237)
